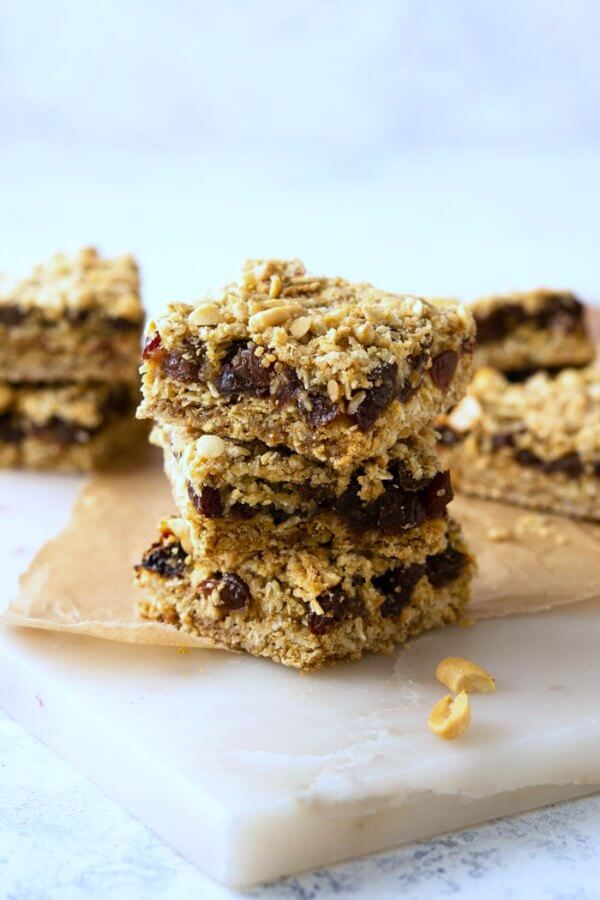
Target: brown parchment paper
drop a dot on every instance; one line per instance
(81, 581)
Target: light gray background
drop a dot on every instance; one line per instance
(434, 147)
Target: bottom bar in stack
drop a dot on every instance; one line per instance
(65, 427)
(535, 444)
(304, 607)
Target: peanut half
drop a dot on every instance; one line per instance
(462, 675)
(450, 716)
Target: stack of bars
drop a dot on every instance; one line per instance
(296, 415)
(528, 431)
(69, 349)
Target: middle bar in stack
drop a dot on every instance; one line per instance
(295, 415)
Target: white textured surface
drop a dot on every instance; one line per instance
(62, 839)
(253, 770)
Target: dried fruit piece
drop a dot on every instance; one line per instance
(444, 567)
(151, 346)
(208, 502)
(397, 586)
(11, 315)
(166, 559)
(378, 397)
(11, 431)
(459, 674)
(59, 431)
(234, 593)
(185, 365)
(451, 716)
(242, 373)
(318, 410)
(337, 606)
(438, 495)
(443, 367)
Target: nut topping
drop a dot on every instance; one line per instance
(450, 716)
(462, 675)
(210, 446)
(269, 318)
(206, 314)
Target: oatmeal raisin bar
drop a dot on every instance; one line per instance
(304, 607)
(535, 444)
(521, 333)
(73, 319)
(66, 427)
(240, 498)
(333, 370)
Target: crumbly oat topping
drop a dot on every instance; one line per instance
(333, 333)
(76, 284)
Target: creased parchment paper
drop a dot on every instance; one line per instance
(81, 581)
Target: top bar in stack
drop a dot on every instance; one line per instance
(521, 333)
(335, 371)
(73, 319)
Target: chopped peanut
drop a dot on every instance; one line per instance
(450, 716)
(461, 675)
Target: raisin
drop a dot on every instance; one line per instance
(570, 464)
(561, 313)
(11, 431)
(445, 567)
(151, 346)
(243, 511)
(120, 323)
(242, 374)
(443, 367)
(337, 606)
(378, 397)
(438, 495)
(185, 365)
(287, 386)
(119, 401)
(404, 502)
(397, 509)
(234, 593)
(502, 439)
(448, 436)
(11, 314)
(527, 458)
(208, 502)
(58, 431)
(397, 586)
(167, 560)
(321, 412)
(564, 314)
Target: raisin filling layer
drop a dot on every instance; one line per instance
(569, 464)
(15, 427)
(561, 313)
(242, 374)
(12, 316)
(167, 559)
(403, 504)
